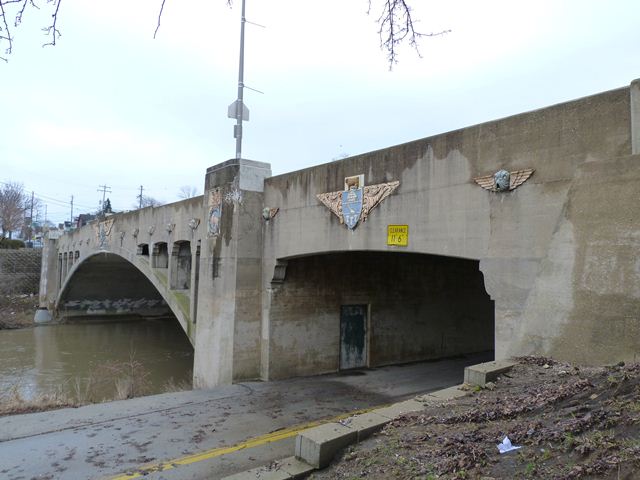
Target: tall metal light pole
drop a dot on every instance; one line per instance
(237, 109)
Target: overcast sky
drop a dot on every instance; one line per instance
(109, 105)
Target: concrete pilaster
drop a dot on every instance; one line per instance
(634, 91)
(227, 346)
(48, 274)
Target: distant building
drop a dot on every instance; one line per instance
(83, 219)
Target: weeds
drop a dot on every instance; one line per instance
(13, 402)
(113, 380)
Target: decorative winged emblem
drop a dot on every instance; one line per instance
(503, 181)
(355, 204)
(268, 213)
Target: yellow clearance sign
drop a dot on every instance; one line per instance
(398, 235)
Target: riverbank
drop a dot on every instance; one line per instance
(568, 422)
(83, 362)
(122, 380)
(17, 311)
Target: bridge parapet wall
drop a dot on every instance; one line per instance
(133, 236)
(515, 235)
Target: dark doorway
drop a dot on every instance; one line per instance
(353, 336)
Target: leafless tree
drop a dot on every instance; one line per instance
(187, 191)
(12, 205)
(147, 201)
(397, 25)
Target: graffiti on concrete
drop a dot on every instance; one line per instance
(215, 212)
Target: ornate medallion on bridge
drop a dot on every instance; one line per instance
(215, 212)
(356, 201)
(193, 223)
(103, 231)
(504, 181)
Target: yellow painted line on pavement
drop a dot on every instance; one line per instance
(251, 443)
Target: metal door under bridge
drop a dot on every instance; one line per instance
(353, 336)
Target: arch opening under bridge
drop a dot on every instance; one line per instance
(106, 284)
(344, 310)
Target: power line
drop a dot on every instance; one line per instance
(63, 203)
(104, 189)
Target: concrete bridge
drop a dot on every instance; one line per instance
(519, 235)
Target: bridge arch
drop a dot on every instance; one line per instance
(396, 307)
(106, 283)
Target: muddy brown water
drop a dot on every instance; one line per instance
(90, 355)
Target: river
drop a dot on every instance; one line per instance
(88, 360)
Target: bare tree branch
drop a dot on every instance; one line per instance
(7, 33)
(55, 33)
(396, 26)
(229, 2)
(147, 201)
(159, 17)
(20, 13)
(187, 191)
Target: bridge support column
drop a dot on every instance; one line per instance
(48, 280)
(227, 346)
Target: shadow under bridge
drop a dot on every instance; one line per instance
(107, 285)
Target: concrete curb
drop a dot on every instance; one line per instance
(288, 468)
(316, 447)
(482, 373)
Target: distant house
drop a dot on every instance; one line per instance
(83, 219)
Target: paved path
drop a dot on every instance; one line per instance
(201, 434)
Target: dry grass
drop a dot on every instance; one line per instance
(12, 402)
(113, 380)
(17, 311)
(177, 386)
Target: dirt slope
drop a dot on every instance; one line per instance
(572, 422)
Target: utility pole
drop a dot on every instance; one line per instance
(71, 219)
(104, 189)
(140, 197)
(31, 218)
